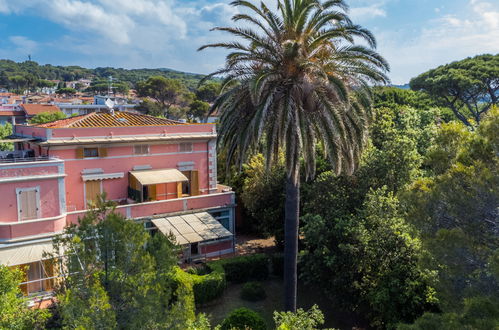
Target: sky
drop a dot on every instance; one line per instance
(413, 35)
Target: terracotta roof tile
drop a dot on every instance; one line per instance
(34, 109)
(11, 113)
(101, 119)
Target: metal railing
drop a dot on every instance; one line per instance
(25, 159)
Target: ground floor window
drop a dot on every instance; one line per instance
(39, 276)
(224, 218)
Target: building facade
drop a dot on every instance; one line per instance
(160, 172)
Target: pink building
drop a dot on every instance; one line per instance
(161, 173)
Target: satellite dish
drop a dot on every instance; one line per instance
(110, 105)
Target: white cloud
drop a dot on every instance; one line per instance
(443, 40)
(23, 45)
(367, 12)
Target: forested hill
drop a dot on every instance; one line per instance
(31, 70)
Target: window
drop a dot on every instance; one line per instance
(92, 190)
(141, 149)
(90, 152)
(224, 218)
(28, 203)
(38, 276)
(185, 147)
(191, 187)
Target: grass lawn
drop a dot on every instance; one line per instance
(218, 310)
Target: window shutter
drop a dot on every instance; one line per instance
(179, 189)
(194, 183)
(79, 153)
(102, 152)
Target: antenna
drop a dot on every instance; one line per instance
(110, 105)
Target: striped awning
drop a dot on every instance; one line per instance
(147, 177)
(102, 176)
(192, 228)
(25, 254)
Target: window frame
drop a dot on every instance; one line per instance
(37, 202)
(85, 156)
(182, 145)
(147, 146)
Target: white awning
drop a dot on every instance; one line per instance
(192, 228)
(147, 177)
(102, 176)
(24, 254)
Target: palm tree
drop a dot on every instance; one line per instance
(296, 79)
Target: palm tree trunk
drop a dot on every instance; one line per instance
(291, 222)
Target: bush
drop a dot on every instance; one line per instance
(243, 318)
(253, 291)
(244, 268)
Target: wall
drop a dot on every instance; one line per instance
(120, 159)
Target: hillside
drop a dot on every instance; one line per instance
(30, 70)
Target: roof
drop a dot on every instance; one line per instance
(192, 228)
(147, 177)
(35, 109)
(102, 119)
(128, 139)
(11, 113)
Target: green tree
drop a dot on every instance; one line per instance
(6, 130)
(478, 313)
(46, 117)
(14, 311)
(150, 107)
(209, 91)
(301, 320)
(375, 261)
(114, 262)
(87, 307)
(45, 83)
(263, 195)
(165, 91)
(66, 90)
(301, 79)
(456, 210)
(198, 110)
(468, 87)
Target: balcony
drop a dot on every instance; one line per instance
(146, 209)
(21, 156)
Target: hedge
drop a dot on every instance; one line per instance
(210, 282)
(184, 304)
(243, 268)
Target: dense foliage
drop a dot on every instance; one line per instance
(301, 320)
(46, 117)
(299, 74)
(113, 281)
(469, 87)
(6, 130)
(14, 312)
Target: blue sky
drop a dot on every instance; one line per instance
(414, 35)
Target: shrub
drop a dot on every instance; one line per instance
(244, 268)
(253, 291)
(243, 318)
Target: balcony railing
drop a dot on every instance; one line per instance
(25, 159)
